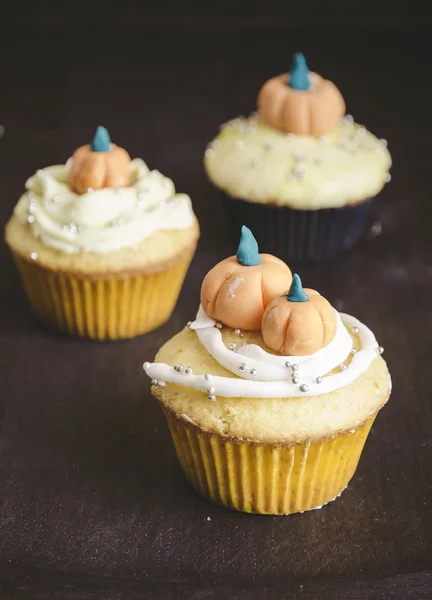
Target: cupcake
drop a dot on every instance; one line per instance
(270, 393)
(298, 172)
(102, 243)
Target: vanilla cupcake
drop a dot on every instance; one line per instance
(102, 243)
(270, 393)
(298, 172)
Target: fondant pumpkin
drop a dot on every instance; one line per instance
(237, 290)
(298, 323)
(301, 102)
(99, 165)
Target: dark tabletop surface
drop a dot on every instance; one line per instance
(92, 502)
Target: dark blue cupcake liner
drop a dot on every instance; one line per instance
(304, 235)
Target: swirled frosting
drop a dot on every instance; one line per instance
(260, 374)
(105, 220)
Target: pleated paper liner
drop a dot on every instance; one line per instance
(105, 309)
(266, 478)
(304, 235)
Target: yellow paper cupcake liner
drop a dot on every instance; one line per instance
(102, 309)
(266, 478)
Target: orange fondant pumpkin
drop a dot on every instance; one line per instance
(298, 323)
(237, 295)
(315, 111)
(99, 165)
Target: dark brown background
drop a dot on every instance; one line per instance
(92, 502)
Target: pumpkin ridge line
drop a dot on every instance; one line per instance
(288, 323)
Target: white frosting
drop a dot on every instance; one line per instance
(272, 378)
(105, 220)
(270, 367)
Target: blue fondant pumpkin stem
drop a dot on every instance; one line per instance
(101, 141)
(296, 292)
(299, 74)
(247, 253)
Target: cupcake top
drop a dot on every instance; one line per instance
(276, 359)
(101, 201)
(299, 150)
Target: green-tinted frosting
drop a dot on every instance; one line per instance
(296, 292)
(299, 74)
(247, 253)
(101, 141)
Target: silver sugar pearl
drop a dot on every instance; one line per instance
(295, 379)
(237, 332)
(219, 325)
(55, 198)
(299, 171)
(239, 144)
(342, 367)
(32, 208)
(380, 349)
(211, 391)
(349, 119)
(376, 228)
(353, 351)
(288, 364)
(40, 173)
(212, 397)
(189, 323)
(33, 255)
(242, 367)
(30, 219)
(207, 376)
(319, 379)
(355, 330)
(146, 365)
(383, 142)
(161, 383)
(188, 371)
(178, 367)
(232, 346)
(209, 153)
(304, 388)
(154, 382)
(294, 367)
(387, 178)
(253, 372)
